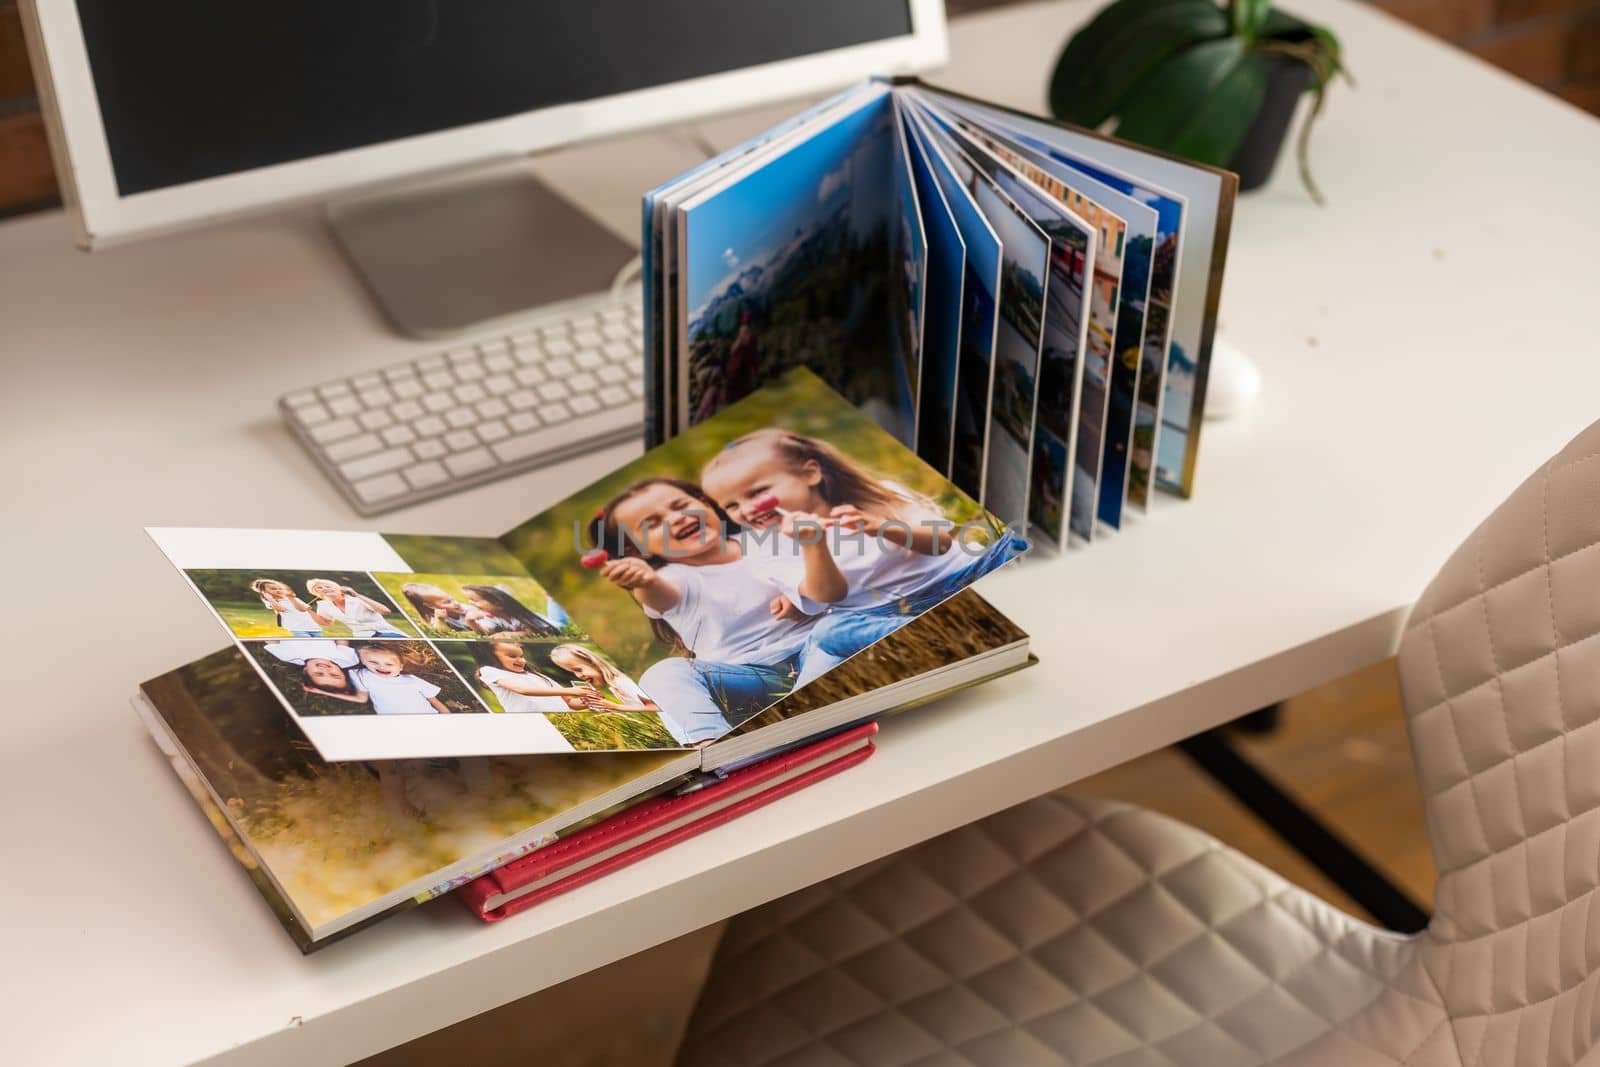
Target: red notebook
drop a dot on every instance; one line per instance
(659, 823)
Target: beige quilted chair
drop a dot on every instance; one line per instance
(1084, 932)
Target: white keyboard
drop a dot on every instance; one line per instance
(567, 382)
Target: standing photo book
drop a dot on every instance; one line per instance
(1026, 305)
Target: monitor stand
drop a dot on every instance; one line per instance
(473, 251)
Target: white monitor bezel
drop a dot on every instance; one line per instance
(103, 217)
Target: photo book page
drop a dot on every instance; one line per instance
(659, 608)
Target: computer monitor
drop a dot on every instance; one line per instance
(167, 113)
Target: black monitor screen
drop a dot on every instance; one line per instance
(191, 89)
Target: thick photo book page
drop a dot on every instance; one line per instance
(334, 847)
(659, 608)
(1027, 306)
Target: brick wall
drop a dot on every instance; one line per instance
(1555, 44)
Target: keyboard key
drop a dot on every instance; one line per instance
(333, 389)
(459, 356)
(636, 387)
(344, 405)
(513, 449)
(586, 338)
(430, 363)
(614, 313)
(377, 463)
(375, 420)
(531, 375)
(522, 421)
(589, 359)
(376, 397)
(584, 404)
(612, 395)
(470, 393)
(437, 402)
(472, 462)
(362, 382)
(559, 347)
(493, 408)
(615, 331)
(383, 487)
(406, 410)
(498, 385)
(429, 449)
(461, 440)
(554, 411)
(583, 382)
(351, 447)
(530, 357)
(499, 363)
(617, 352)
(300, 399)
(493, 430)
(425, 474)
(460, 417)
(439, 379)
(554, 391)
(498, 347)
(407, 388)
(560, 367)
(311, 414)
(399, 435)
(430, 426)
(469, 372)
(332, 431)
(521, 399)
(613, 373)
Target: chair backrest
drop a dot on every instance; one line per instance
(1500, 672)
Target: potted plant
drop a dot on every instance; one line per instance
(1213, 83)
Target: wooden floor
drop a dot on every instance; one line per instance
(1340, 751)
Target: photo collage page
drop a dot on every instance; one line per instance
(341, 646)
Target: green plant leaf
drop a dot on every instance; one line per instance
(1105, 62)
(1248, 16)
(1198, 104)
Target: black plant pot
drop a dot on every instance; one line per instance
(1257, 154)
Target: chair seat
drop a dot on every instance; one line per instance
(1064, 931)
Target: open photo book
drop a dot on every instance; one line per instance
(1027, 306)
(663, 607)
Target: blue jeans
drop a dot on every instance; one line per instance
(384, 633)
(305, 633)
(842, 632)
(701, 701)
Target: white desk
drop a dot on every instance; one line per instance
(1426, 340)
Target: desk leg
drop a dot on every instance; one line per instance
(1301, 831)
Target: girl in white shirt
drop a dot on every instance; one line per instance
(391, 688)
(892, 545)
(503, 669)
(291, 613)
(600, 673)
(324, 664)
(734, 617)
(339, 603)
